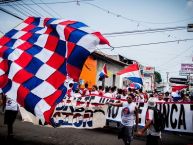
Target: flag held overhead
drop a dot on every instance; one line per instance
(132, 73)
(37, 55)
(103, 74)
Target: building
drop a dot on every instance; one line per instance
(94, 64)
(148, 78)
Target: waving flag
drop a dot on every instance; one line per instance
(36, 57)
(132, 73)
(135, 86)
(103, 74)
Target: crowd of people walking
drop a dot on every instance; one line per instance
(139, 96)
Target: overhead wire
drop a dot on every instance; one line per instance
(10, 13)
(148, 30)
(141, 33)
(148, 22)
(51, 9)
(138, 22)
(22, 8)
(29, 8)
(134, 20)
(49, 14)
(3, 2)
(174, 62)
(50, 3)
(151, 43)
(173, 58)
(44, 3)
(84, 1)
(111, 35)
(17, 10)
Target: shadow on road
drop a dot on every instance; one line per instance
(15, 141)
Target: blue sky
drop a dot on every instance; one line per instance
(109, 16)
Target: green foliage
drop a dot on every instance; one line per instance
(158, 77)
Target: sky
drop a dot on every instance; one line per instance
(109, 16)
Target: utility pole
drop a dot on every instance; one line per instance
(167, 78)
(167, 73)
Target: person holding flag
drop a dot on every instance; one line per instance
(132, 73)
(38, 55)
(129, 116)
(103, 74)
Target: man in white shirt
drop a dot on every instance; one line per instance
(129, 116)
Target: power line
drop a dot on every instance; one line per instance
(16, 9)
(8, 1)
(22, 8)
(10, 13)
(51, 9)
(32, 10)
(127, 34)
(161, 42)
(134, 20)
(36, 11)
(148, 30)
(50, 3)
(129, 19)
(42, 9)
(166, 63)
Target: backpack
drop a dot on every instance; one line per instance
(159, 120)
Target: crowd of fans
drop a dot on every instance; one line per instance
(139, 96)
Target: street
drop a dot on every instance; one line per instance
(28, 134)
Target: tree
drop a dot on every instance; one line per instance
(158, 77)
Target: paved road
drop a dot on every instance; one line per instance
(28, 134)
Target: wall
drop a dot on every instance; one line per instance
(92, 68)
(89, 72)
(113, 68)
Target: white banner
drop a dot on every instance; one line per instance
(179, 116)
(72, 113)
(90, 112)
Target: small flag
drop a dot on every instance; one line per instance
(132, 73)
(103, 74)
(135, 86)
